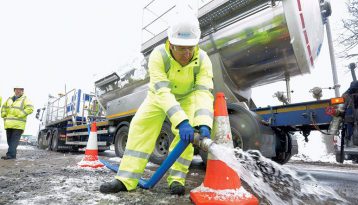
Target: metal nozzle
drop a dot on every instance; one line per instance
(202, 142)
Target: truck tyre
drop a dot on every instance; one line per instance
(164, 140)
(48, 139)
(41, 140)
(121, 140)
(284, 150)
(54, 140)
(338, 157)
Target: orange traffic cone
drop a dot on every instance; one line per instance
(91, 154)
(222, 185)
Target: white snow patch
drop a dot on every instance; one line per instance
(26, 147)
(89, 168)
(224, 195)
(150, 164)
(194, 174)
(68, 189)
(90, 165)
(329, 158)
(20, 147)
(197, 157)
(314, 150)
(115, 159)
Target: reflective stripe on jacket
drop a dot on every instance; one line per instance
(15, 112)
(174, 83)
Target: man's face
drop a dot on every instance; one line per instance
(19, 91)
(182, 54)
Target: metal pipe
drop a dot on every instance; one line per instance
(334, 126)
(332, 57)
(352, 66)
(288, 89)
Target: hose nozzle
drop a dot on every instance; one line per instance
(202, 142)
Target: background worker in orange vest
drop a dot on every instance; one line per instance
(15, 111)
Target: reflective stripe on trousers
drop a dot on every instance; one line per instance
(143, 133)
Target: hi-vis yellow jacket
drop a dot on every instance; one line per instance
(16, 112)
(170, 82)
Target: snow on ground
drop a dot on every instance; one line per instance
(314, 150)
(20, 147)
(117, 160)
(63, 189)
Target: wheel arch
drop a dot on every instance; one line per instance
(118, 126)
(254, 133)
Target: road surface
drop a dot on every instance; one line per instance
(46, 177)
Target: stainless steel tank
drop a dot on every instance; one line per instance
(266, 42)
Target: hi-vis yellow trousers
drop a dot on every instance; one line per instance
(143, 133)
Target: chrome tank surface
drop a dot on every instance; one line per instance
(122, 93)
(265, 43)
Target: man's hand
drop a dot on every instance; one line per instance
(186, 131)
(204, 131)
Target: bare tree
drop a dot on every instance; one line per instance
(349, 37)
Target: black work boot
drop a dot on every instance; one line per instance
(7, 157)
(112, 187)
(177, 188)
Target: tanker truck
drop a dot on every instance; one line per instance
(250, 43)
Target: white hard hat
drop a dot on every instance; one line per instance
(18, 87)
(184, 29)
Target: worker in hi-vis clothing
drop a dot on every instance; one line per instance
(94, 109)
(15, 111)
(181, 82)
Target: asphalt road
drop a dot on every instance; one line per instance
(46, 177)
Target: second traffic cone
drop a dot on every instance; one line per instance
(91, 154)
(222, 185)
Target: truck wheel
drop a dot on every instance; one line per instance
(49, 139)
(121, 141)
(41, 140)
(338, 158)
(164, 140)
(54, 141)
(284, 149)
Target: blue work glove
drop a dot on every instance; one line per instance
(204, 131)
(186, 131)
